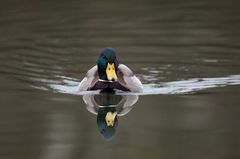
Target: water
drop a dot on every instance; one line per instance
(186, 53)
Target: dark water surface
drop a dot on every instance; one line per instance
(186, 53)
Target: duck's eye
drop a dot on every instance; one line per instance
(109, 68)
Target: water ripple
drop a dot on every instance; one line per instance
(190, 86)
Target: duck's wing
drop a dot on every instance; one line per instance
(127, 79)
(89, 80)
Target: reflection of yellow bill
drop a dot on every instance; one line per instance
(111, 73)
(109, 118)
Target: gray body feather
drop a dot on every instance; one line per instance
(127, 81)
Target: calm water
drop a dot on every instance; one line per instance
(186, 53)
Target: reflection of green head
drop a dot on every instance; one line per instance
(107, 121)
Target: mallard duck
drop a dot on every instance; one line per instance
(109, 75)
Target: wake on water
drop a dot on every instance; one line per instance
(70, 86)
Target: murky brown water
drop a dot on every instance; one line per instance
(185, 52)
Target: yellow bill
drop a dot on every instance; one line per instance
(111, 73)
(109, 118)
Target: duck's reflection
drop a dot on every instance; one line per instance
(108, 107)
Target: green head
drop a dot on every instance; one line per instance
(107, 64)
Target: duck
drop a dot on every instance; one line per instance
(108, 75)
